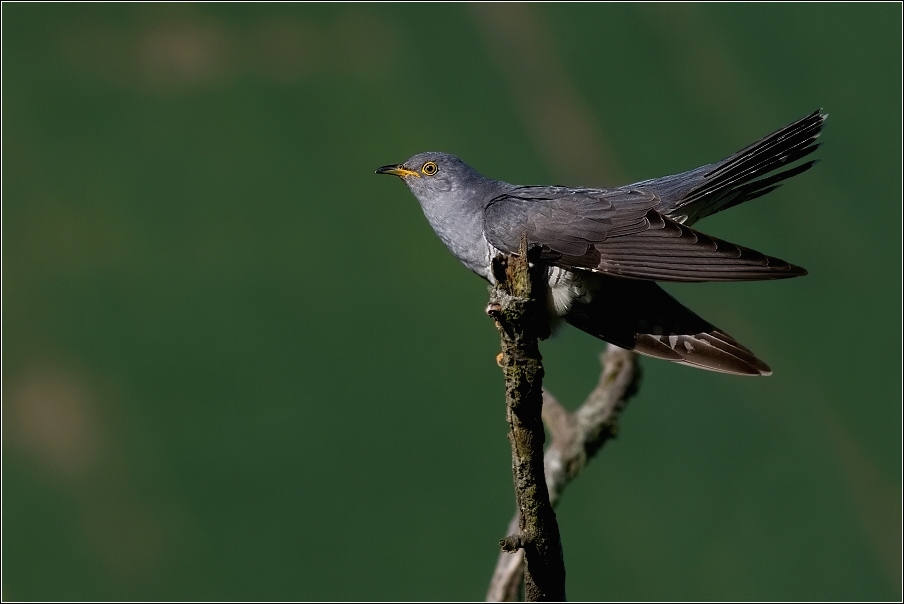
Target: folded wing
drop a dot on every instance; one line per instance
(617, 232)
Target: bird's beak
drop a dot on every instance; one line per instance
(396, 170)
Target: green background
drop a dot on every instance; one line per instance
(239, 365)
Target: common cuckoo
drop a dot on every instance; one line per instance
(605, 248)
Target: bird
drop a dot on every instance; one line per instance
(606, 249)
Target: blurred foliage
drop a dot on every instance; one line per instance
(238, 365)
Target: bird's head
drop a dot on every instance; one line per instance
(432, 175)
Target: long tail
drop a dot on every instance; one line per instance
(693, 195)
(641, 316)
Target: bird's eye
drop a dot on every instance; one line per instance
(429, 168)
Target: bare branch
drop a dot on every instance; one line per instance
(576, 437)
(517, 306)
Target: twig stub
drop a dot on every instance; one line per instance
(512, 543)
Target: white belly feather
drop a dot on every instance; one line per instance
(566, 287)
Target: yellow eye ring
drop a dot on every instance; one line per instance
(429, 168)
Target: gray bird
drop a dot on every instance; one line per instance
(606, 248)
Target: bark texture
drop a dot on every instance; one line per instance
(517, 305)
(576, 437)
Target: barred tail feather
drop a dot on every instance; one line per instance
(641, 316)
(693, 195)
